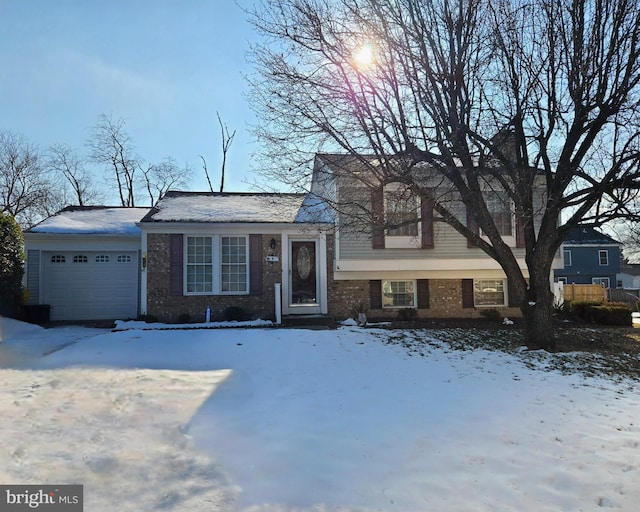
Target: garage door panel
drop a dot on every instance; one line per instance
(101, 288)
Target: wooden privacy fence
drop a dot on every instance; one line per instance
(598, 293)
(586, 292)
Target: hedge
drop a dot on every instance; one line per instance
(611, 314)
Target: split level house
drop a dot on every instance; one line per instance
(391, 251)
(344, 248)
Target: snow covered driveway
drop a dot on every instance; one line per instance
(296, 420)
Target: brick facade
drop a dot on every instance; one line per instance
(345, 298)
(445, 301)
(168, 308)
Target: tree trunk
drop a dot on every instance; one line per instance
(537, 310)
(538, 326)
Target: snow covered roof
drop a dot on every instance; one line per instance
(239, 207)
(92, 220)
(582, 235)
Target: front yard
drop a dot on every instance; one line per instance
(448, 418)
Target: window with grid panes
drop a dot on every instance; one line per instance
(499, 208)
(199, 264)
(233, 264)
(398, 294)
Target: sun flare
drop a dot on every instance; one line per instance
(363, 56)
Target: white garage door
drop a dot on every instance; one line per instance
(91, 285)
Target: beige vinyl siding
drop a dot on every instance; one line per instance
(355, 236)
(448, 243)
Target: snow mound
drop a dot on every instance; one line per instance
(127, 325)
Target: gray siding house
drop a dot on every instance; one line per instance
(392, 252)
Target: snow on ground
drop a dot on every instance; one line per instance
(266, 420)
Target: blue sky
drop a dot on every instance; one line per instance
(165, 66)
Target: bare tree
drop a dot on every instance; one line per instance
(508, 94)
(111, 146)
(159, 178)
(628, 232)
(25, 190)
(66, 162)
(206, 172)
(227, 139)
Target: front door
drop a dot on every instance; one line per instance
(303, 277)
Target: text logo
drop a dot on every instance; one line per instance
(44, 498)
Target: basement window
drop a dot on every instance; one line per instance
(489, 292)
(398, 294)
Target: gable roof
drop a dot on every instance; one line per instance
(99, 220)
(582, 235)
(630, 268)
(239, 207)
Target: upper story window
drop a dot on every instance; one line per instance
(58, 258)
(80, 258)
(401, 219)
(499, 207)
(603, 257)
(401, 211)
(567, 258)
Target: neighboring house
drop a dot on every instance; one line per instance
(84, 262)
(629, 276)
(222, 250)
(589, 257)
(422, 264)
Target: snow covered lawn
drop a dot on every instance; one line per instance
(300, 420)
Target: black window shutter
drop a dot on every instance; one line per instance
(175, 264)
(426, 210)
(473, 227)
(520, 242)
(375, 294)
(255, 265)
(377, 211)
(423, 293)
(467, 293)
